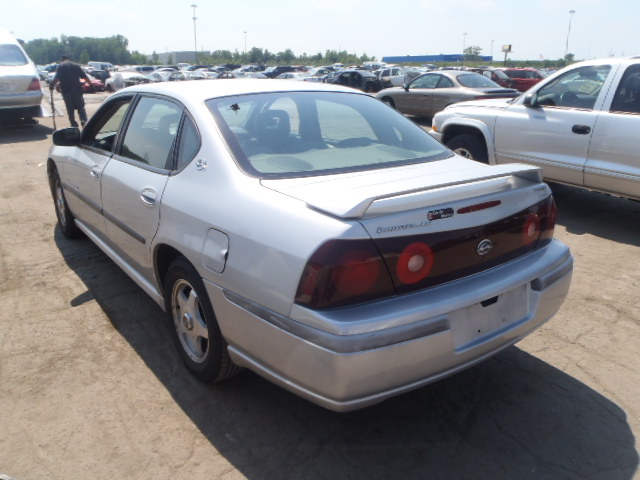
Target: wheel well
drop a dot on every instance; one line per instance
(455, 130)
(165, 255)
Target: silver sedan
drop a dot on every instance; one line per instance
(427, 94)
(311, 234)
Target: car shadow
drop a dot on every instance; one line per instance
(513, 416)
(23, 133)
(585, 212)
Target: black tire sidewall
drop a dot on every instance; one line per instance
(211, 369)
(471, 144)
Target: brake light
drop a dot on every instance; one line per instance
(35, 84)
(343, 272)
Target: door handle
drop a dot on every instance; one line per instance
(95, 171)
(581, 129)
(148, 196)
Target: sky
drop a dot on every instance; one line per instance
(536, 29)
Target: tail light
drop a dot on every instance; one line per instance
(344, 272)
(347, 272)
(35, 84)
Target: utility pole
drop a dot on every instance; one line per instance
(195, 40)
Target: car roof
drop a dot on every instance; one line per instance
(207, 89)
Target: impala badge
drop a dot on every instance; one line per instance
(484, 247)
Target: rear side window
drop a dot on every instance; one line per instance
(189, 143)
(11, 56)
(151, 132)
(627, 97)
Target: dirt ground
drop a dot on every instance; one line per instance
(92, 388)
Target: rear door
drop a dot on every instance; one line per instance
(613, 164)
(555, 135)
(134, 180)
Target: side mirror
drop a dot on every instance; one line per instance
(67, 137)
(406, 87)
(531, 100)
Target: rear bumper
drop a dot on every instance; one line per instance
(354, 357)
(21, 105)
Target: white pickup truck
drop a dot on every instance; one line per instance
(580, 126)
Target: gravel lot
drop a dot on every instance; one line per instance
(92, 388)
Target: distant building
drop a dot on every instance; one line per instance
(177, 57)
(456, 57)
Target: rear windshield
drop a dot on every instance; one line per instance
(293, 134)
(11, 56)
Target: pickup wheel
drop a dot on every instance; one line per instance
(388, 101)
(193, 324)
(469, 146)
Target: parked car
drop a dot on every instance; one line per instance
(431, 92)
(20, 89)
(273, 72)
(182, 75)
(95, 85)
(361, 79)
(523, 78)
(580, 126)
(120, 80)
(304, 231)
(496, 75)
(300, 76)
(396, 76)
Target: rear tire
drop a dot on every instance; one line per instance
(194, 328)
(469, 146)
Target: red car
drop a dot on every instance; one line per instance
(96, 85)
(523, 78)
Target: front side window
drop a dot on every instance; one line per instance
(102, 130)
(151, 132)
(627, 97)
(293, 134)
(426, 81)
(578, 88)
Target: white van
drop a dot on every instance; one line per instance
(101, 66)
(20, 90)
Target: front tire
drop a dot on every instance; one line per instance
(193, 324)
(469, 146)
(66, 221)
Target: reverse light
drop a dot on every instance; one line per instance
(414, 263)
(531, 229)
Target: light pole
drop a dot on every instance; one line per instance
(464, 43)
(195, 40)
(566, 48)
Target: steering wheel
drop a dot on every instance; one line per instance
(569, 99)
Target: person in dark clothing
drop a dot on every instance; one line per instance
(70, 76)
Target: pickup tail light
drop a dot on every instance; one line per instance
(347, 272)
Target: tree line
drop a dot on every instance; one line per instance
(115, 50)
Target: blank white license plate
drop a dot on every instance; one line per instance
(478, 323)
